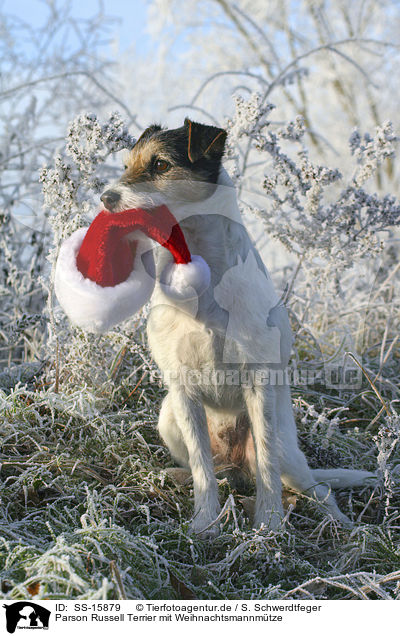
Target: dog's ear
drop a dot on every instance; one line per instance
(204, 141)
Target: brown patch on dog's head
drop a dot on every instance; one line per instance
(139, 164)
(192, 152)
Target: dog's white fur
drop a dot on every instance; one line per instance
(195, 336)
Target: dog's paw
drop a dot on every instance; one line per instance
(347, 523)
(269, 520)
(343, 520)
(205, 527)
(210, 532)
(181, 476)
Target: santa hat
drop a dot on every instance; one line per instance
(105, 273)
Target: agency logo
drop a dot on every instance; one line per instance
(26, 615)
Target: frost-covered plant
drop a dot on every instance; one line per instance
(387, 439)
(332, 62)
(48, 74)
(333, 224)
(299, 210)
(70, 186)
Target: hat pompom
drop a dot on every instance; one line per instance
(185, 281)
(91, 306)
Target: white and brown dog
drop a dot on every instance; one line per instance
(223, 356)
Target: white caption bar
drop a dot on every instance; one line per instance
(176, 617)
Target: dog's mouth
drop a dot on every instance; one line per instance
(146, 195)
(122, 197)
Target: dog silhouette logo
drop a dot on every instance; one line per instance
(26, 615)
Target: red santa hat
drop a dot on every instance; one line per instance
(105, 273)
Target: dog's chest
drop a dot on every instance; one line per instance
(191, 354)
(177, 339)
(233, 323)
(229, 325)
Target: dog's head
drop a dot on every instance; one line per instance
(169, 166)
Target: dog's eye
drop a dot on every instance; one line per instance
(125, 167)
(161, 165)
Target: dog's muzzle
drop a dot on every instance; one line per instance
(110, 198)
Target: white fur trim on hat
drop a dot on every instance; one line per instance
(95, 308)
(185, 281)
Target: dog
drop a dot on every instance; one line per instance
(224, 355)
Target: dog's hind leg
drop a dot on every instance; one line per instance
(296, 473)
(190, 418)
(171, 434)
(261, 411)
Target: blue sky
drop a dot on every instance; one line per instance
(130, 27)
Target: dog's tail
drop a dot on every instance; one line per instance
(344, 478)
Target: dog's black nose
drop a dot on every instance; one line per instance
(110, 199)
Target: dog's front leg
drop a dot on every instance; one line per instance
(191, 419)
(260, 403)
